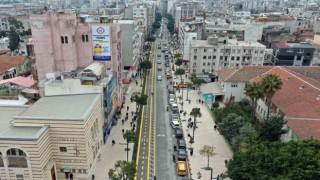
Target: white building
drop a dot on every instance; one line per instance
(208, 56)
(140, 13)
(242, 14)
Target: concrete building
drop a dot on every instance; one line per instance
(131, 45)
(208, 31)
(293, 54)
(184, 10)
(5, 25)
(140, 13)
(69, 45)
(54, 137)
(208, 56)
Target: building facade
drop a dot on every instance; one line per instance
(293, 54)
(208, 56)
(50, 144)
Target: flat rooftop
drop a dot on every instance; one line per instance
(66, 107)
(6, 114)
(204, 43)
(25, 133)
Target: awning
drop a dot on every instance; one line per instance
(126, 81)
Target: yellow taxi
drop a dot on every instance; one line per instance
(180, 86)
(181, 168)
(168, 76)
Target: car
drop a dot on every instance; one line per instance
(172, 96)
(175, 124)
(170, 91)
(159, 78)
(182, 155)
(172, 101)
(174, 107)
(159, 61)
(168, 68)
(168, 76)
(175, 118)
(181, 144)
(159, 55)
(180, 86)
(167, 71)
(181, 168)
(159, 68)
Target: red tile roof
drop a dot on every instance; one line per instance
(297, 99)
(305, 129)
(282, 45)
(242, 74)
(7, 62)
(21, 81)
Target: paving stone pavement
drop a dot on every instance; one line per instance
(204, 135)
(111, 154)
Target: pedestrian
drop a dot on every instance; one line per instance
(113, 142)
(122, 106)
(126, 118)
(71, 176)
(92, 177)
(122, 121)
(202, 102)
(175, 148)
(189, 101)
(127, 108)
(131, 113)
(131, 124)
(215, 127)
(154, 177)
(127, 114)
(136, 82)
(131, 99)
(122, 131)
(189, 120)
(191, 152)
(174, 158)
(134, 126)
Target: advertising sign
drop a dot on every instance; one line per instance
(101, 43)
(208, 97)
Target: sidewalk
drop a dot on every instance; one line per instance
(111, 154)
(204, 135)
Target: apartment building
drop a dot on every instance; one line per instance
(293, 54)
(5, 25)
(140, 13)
(208, 56)
(184, 10)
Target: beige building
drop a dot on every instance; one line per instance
(54, 137)
(208, 56)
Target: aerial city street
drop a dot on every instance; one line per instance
(159, 90)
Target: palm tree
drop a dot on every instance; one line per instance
(254, 92)
(270, 85)
(195, 113)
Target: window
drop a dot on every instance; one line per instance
(83, 38)
(209, 57)
(214, 57)
(194, 57)
(204, 57)
(214, 50)
(308, 54)
(203, 70)
(213, 64)
(204, 50)
(203, 64)
(232, 58)
(63, 149)
(238, 58)
(62, 40)
(290, 50)
(194, 64)
(300, 51)
(195, 50)
(233, 50)
(221, 57)
(208, 64)
(87, 38)
(66, 39)
(234, 85)
(19, 177)
(239, 50)
(194, 38)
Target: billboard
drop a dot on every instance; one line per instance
(101, 43)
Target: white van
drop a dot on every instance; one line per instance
(174, 107)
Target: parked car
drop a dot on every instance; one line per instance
(175, 124)
(172, 101)
(172, 96)
(170, 91)
(159, 68)
(159, 55)
(182, 155)
(181, 168)
(175, 118)
(181, 144)
(179, 133)
(159, 61)
(159, 78)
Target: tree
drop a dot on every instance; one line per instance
(129, 136)
(230, 126)
(15, 23)
(179, 72)
(178, 62)
(25, 33)
(151, 38)
(156, 25)
(14, 40)
(207, 151)
(277, 160)
(248, 137)
(254, 92)
(3, 34)
(270, 85)
(123, 170)
(189, 85)
(271, 129)
(145, 66)
(197, 82)
(158, 17)
(195, 112)
(215, 105)
(140, 99)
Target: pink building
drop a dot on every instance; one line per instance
(63, 43)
